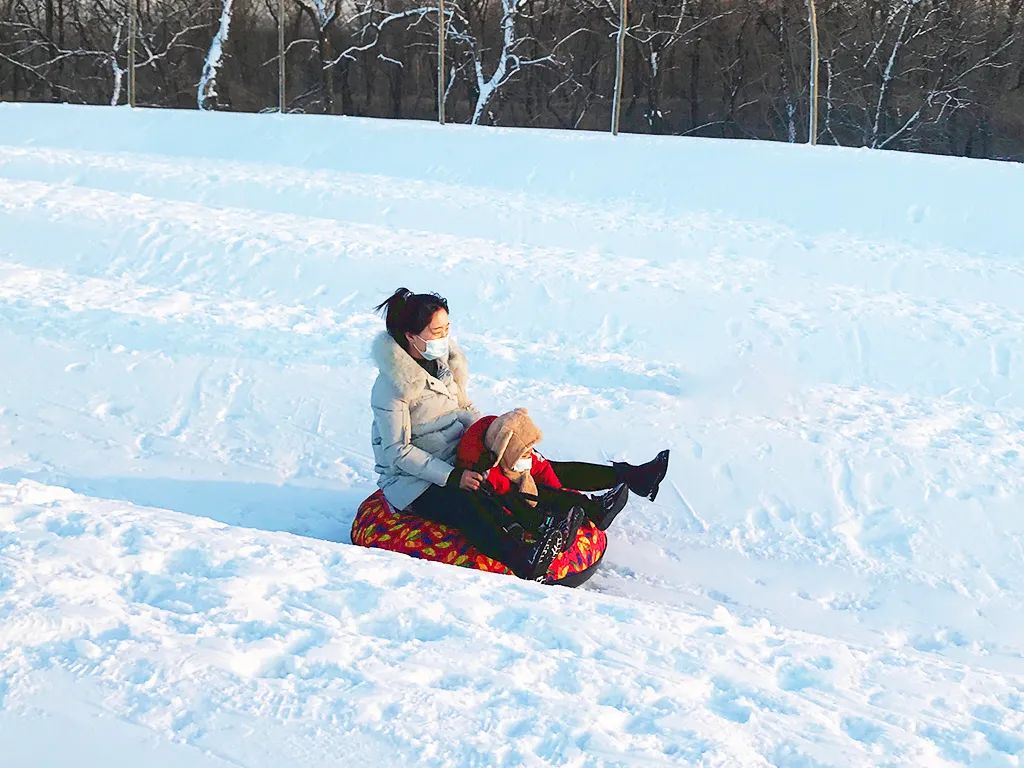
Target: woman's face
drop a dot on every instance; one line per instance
(437, 328)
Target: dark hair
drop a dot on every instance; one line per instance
(407, 312)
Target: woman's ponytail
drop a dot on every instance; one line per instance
(393, 307)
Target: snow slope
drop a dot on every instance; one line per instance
(829, 340)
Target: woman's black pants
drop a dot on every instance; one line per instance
(481, 519)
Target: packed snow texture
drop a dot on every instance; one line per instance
(830, 341)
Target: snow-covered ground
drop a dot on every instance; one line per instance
(831, 342)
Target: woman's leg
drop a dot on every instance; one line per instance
(582, 476)
(642, 480)
(473, 514)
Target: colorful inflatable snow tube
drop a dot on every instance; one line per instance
(378, 525)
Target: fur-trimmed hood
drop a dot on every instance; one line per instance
(407, 376)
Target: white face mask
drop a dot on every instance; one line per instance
(433, 349)
(525, 464)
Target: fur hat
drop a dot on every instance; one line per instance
(510, 436)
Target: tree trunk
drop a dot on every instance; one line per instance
(695, 85)
(347, 105)
(323, 46)
(51, 49)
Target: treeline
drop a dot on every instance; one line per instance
(943, 76)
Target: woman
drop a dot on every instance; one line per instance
(420, 411)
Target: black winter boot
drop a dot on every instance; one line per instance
(606, 506)
(535, 559)
(643, 480)
(570, 525)
(566, 520)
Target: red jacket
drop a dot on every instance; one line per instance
(471, 449)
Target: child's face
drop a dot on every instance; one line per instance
(524, 462)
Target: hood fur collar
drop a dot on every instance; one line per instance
(408, 376)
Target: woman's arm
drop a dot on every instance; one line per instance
(468, 415)
(395, 429)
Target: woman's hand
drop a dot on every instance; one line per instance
(470, 480)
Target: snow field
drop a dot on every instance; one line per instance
(208, 634)
(830, 342)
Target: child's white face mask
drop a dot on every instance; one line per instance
(525, 464)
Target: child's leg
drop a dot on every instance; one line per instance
(529, 517)
(600, 510)
(562, 499)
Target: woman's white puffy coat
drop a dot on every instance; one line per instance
(417, 419)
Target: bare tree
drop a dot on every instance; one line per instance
(933, 75)
(207, 90)
(492, 67)
(896, 70)
(657, 28)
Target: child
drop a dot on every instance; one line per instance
(530, 487)
(502, 448)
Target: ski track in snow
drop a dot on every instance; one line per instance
(831, 574)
